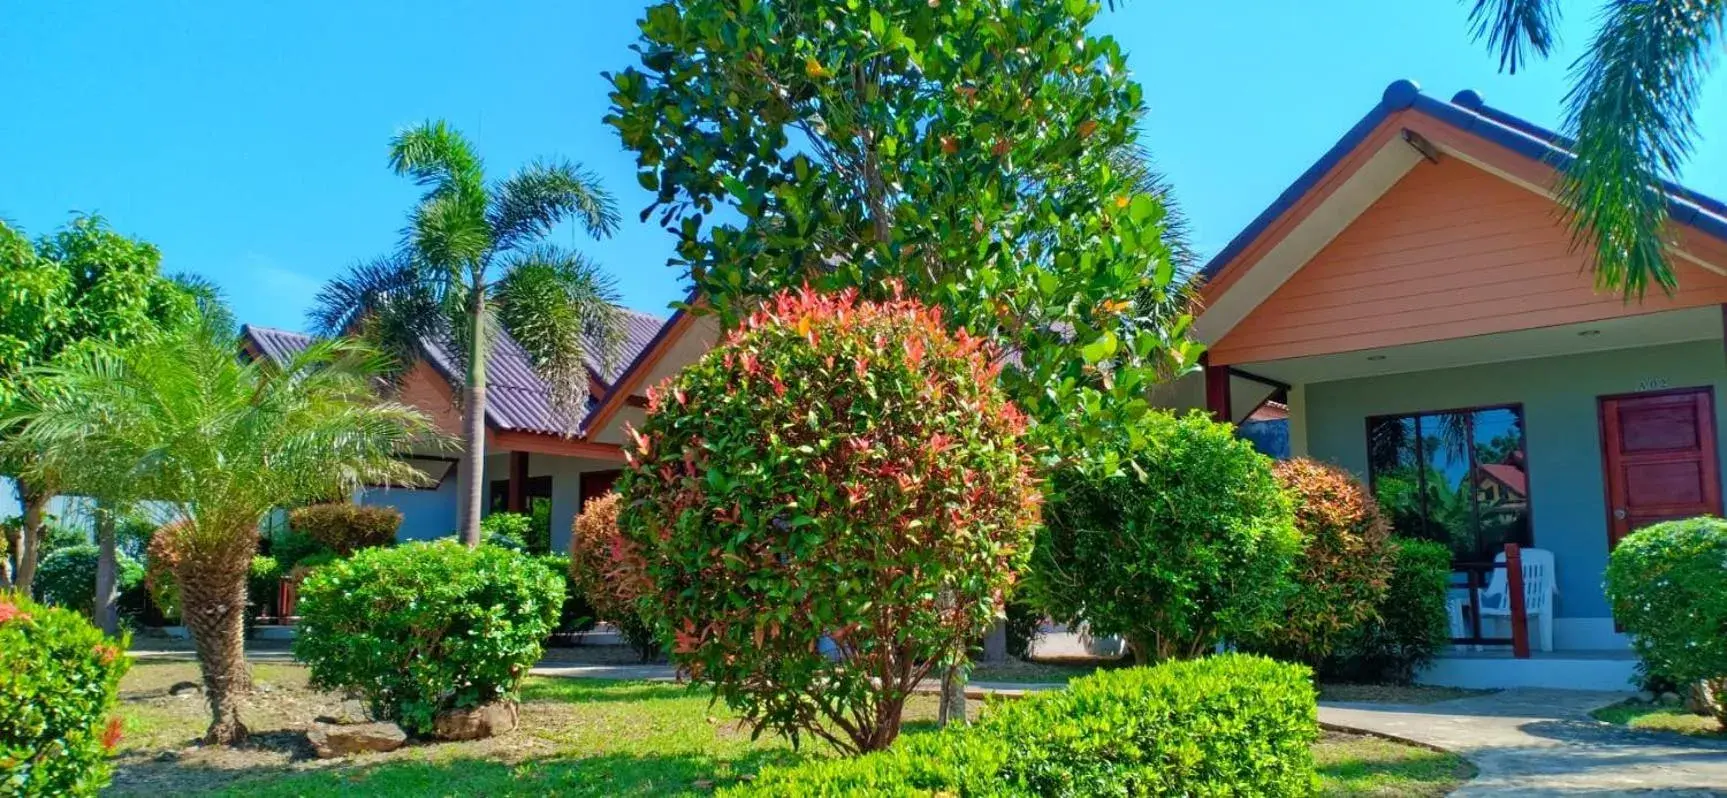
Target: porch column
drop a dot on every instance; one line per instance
(1217, 392)
(518, 498)
(1296, 397)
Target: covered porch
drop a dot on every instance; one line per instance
(1554, 441)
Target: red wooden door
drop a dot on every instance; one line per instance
(596, 484)
(1659, 450)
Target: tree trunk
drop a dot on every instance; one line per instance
(105, 612)
(213, 601)
(35, 504)
(474, 426)
(952, 711)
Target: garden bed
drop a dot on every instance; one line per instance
(1658, 717)
(578, 737)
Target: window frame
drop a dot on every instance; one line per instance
(1421, 473)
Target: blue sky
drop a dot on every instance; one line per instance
(248, 140)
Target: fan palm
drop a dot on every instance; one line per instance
(179, 419)
(1630, 114)
(474, 260)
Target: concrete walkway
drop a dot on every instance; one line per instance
(1543, 742)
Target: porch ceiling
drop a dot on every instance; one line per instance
(1650, 329)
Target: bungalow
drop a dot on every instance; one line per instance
(1415, 301)
(536, 460)
(1411, 308)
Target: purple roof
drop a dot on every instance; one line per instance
(1466, 111)
(516, 396)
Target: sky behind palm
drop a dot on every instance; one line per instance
(248, 141)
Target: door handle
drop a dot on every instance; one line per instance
(1618, 513)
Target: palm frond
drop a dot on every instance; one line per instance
(208, 298)
(449, 233)
(387, 303)
(1514, 27)
(527, 206)
(437, 156)
(563, 310)
(1630, 111)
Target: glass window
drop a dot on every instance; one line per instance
(1457, 477)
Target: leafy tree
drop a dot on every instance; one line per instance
(1191, 546)
(826, 506)
(83, 287)
(475, 260)
(179, 418)
(980, 153)
(1630, 114)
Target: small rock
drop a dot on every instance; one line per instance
(1646, 697)
(350, 711)
(185, 689)
(475, 723)
(330, 740)
(1669, 699)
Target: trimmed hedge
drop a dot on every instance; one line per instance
(1412, 626)
(426, 627)
(59, 680)
(346, 528)
(67, 579)
(1668, 586)
(1235, 724)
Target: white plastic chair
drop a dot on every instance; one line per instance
(1539, 588)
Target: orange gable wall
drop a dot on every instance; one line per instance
(424, 388)
(1449, 251)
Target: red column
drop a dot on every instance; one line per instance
(1217, 392)
(1514, 594)
(518, 499)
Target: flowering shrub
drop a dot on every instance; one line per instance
(425, 627)
(346, 528)
(1344, 566)
(601, 568)
(59, 679)
(1668, 586)
(828, 504)
(1189, 546)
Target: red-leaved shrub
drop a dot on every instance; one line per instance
(605, 567)
(830, 502)
(347, 528)
(1344, 566)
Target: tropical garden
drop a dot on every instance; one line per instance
(946, 277)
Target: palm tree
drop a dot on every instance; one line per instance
(1630, 112)
(179, 418)
(474, 260)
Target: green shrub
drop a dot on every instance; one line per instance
(1344, 567)
(59, 679)
(600, 560)
(291, 549)
(1189, 546)
(67, 578)
(834, 477)
(576, 615)
(1235, 724)
(1412, 626)
(345, 527)
(263, 585)
(1024, 627)
(1668, 587)
(425, 627)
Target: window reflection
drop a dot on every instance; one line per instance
(1456, 477)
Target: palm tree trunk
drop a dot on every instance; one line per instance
(107, 567)
(952, 711)
(474, 425)
(35, 503)
(213, 601)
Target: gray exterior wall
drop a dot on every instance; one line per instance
(1568, 509)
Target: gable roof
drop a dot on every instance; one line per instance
(516, 394)
(1469, 113)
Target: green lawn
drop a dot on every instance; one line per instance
(1638, 715)
(578, 737)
